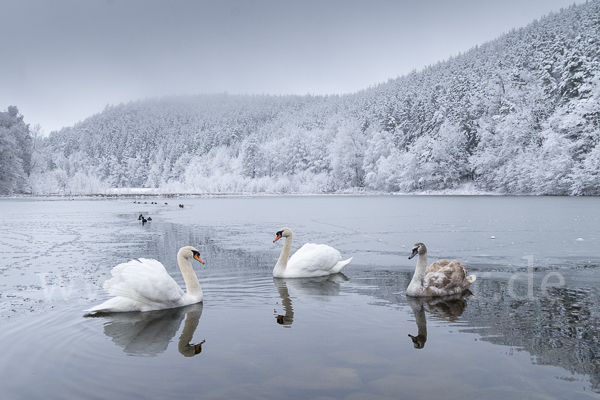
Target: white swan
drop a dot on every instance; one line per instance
(442, 278)
(145, 285)
(310, 260)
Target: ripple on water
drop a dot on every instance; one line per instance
(242, 291)
(70, 355)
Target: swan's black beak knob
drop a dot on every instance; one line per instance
(414, 253)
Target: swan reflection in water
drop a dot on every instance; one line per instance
(319, 288)
(448, 308)
(149, 333)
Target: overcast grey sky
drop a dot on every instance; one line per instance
(64, 60)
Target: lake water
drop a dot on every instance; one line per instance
(529, 329)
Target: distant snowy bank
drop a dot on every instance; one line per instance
(465, 190)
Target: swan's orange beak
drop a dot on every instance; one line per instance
(198, 347)
(277, 237)
(197, 257)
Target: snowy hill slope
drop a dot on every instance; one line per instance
(517, 115)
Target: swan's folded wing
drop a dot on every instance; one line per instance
(314, 258)
(447, 279)
(116, 277)
(146, 281)
(436, 266)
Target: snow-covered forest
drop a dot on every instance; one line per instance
(517, 115)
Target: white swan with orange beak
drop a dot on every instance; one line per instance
(309, 261)
(145, 285)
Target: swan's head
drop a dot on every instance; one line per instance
(418, 341)
(198, 347)
(190, 252)
(283, 232)
(418, 248)
(283, 320)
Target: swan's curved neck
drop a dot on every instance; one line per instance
(192, 285)
(285, 253)
(421, 268)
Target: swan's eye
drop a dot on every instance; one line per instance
(280, 233)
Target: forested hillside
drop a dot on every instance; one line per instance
(518, 115)
(15, 152)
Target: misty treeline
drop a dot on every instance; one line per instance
(517, 115)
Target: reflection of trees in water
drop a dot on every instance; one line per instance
(563, 332)
(319, 288)
(149, 333)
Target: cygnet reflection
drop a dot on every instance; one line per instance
(149, 333)
(448, 308)
(319, 288)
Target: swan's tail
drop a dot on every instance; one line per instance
(110, 305)
(471, 278)
(340, 265)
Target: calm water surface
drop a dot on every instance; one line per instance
(530, 328)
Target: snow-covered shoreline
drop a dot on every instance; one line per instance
(145, 193)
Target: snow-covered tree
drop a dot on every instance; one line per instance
(15, 152)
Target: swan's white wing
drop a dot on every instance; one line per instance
(313, 260)
(144, 280)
